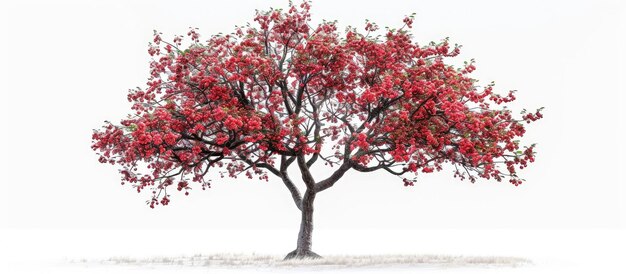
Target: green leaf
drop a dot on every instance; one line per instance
(132, 127)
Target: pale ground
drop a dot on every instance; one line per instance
(268, 261)
(245, 263)
(237, 251)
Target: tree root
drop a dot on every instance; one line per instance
(303, 254)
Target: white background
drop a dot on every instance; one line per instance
(66, 67)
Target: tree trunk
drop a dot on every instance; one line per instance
(303, 249)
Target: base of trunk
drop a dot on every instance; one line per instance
(302, 255)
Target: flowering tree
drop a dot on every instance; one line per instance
(284, 93)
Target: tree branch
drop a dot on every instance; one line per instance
(306, 174)
(267, 166)
(330, 181)
(295, 193)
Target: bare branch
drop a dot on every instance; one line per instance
(306, 174)
(330, 181)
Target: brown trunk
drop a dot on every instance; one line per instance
(303, 249)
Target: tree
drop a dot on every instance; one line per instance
(284, 94)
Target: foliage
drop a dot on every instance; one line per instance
(282, 91)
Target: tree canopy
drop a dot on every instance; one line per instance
(280, 91)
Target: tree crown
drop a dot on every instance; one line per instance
(283, 91)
